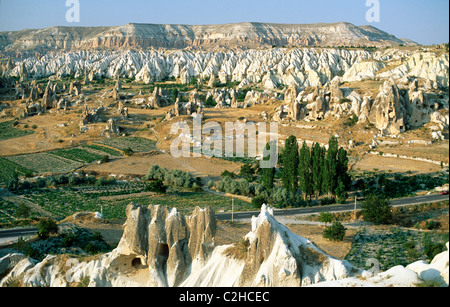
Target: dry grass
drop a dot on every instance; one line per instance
(238, 250)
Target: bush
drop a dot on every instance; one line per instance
(258, 201)
(325, 217)
(105, 159)
(128, 151)
(175, 178)
(377, 209)
(47, 227)
(335, 232)
(432, 249)
(156, 186)
(23, 211)
(239, 187)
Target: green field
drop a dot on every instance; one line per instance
(7, 131)
(103, 150)
(45, 163)
(8, 169)
(65, 201)
(77, 154)
(392, 247)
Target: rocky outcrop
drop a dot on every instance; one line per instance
(161, 247)
(166, 243)
(388, 111)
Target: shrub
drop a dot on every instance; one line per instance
(377, 209)
(335, 232)
(47, 227)
(156, 186)
(325, 217)
(23, 211)
(128, 151)
(432, 249)
(258, 201)
(175, 178)
(105, 159)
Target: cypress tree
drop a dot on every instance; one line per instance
(342, 168)
(304, 171)
(331, 168)
(268, 174)
(317, 158)
(290, 161)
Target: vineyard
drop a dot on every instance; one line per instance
(9, 169)
(113, 199)
(40, 163)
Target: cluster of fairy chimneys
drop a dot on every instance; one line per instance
(37, 100)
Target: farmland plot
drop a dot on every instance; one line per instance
(45, 163)
(137, 144)
(9, 168)
(7, 131)
(77, 154)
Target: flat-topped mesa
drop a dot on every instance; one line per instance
(237, 35)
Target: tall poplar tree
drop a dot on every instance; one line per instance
(331, 167)
(290, 160)
(268, 174)
(317, 157)
(304, 171)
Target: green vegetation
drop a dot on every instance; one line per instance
(73, 241)
(352, 121)
(395, 246)
(174, 178)
(136, 144)
(46, 227)
(45, 163)
(396, 185)
(77, 154)
(109, 151)
(290, 162)
(335, 232)
(10, 170)
(377, 209)
(8, 131)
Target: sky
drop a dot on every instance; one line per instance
(425, 22)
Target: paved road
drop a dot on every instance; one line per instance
(335, 208)
(12, 235)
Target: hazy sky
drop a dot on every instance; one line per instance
(426, 22)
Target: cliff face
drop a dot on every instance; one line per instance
(241, 35)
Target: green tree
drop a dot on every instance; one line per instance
(335, 232)
(290, 160)
(317, 160)
(174, 94)
(342, 168)
(340, 192)
(376, 209)
(23, 211)
(247, 171)
(47, 227)
(304, 171)
(330, 170)
(268, 174)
